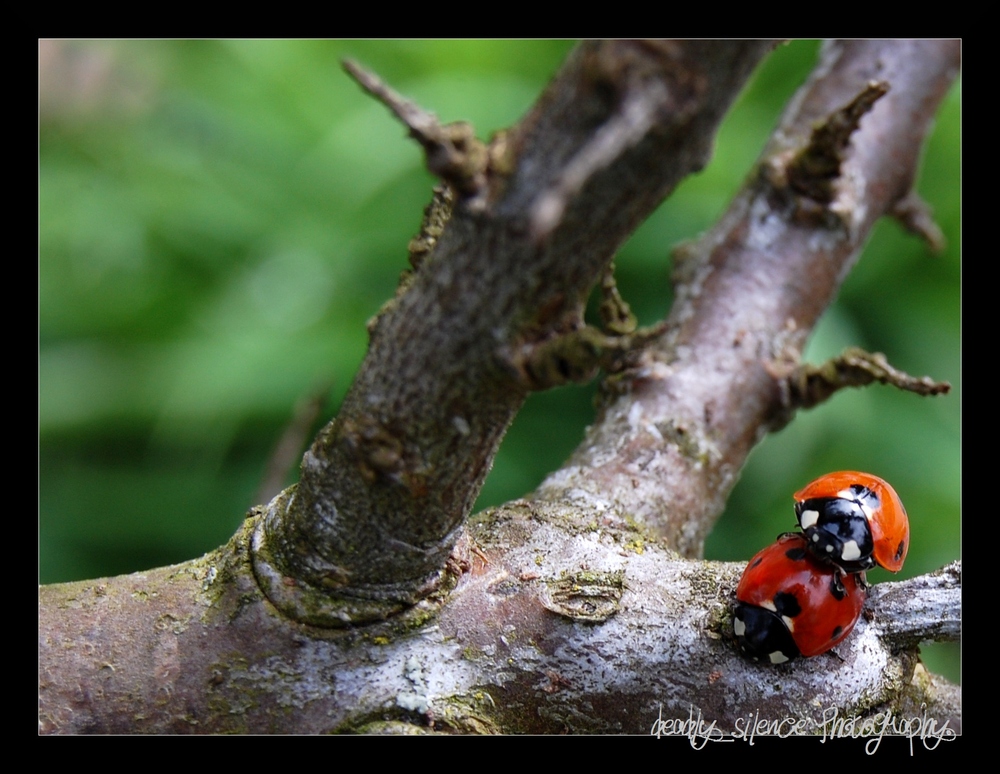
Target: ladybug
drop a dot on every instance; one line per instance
(854, 521)
(791, 604)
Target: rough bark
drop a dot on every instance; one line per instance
(527, 239)
(357, 601)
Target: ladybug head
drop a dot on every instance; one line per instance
(837, 532)
(762, 635)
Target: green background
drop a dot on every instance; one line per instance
(217, 221)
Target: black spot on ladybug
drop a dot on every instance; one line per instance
(786, 604)
(796, 554)
(900, 550)
(756, 563)
(836, 632)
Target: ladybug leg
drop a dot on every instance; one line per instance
(837, 585)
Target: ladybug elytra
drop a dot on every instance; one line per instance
(790, 604)
(854, 521)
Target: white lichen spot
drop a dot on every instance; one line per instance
(418, 699)
(413, 702)
(822, 240)
(766, 226)
(414, 671)
(635, 415)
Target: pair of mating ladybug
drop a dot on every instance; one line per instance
(803, 595)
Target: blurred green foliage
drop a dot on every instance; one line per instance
(217, 220)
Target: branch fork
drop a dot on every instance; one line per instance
(582, 589)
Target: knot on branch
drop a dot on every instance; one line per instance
(577, 355)
(814, 170)
(453, 152)
(585, 596)
(811, 177)
(806, 386)
(383, 453)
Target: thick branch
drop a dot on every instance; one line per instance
(558, 622)
(387, 485)
(677, 430)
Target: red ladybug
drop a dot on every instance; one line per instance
(791, 604)
(854, 521)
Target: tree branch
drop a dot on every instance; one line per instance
(808, 385)
(559, 622)
(676, 431)
(387, 485)
(573, 609)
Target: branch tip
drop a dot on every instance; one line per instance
(916, 216)
(453, 152)
(417, 120)
(809, 385)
